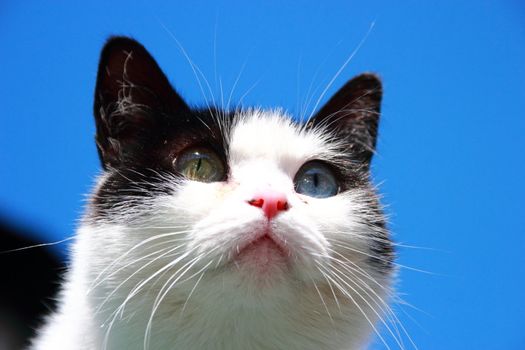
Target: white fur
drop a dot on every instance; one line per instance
(230, 307)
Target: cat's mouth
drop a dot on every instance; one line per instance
(262, 252)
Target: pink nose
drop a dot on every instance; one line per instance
(271, 202)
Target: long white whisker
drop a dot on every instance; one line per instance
(194, 68)
(239, 104)
(331, 289)
(37, 245)
(384, 307)
(163, 293)
(310, 94)
(138, 245)
(235, 84)
(136, 289)
(345, 292)
(194, 287)
(357, 268)
(322, 299)
(382, 259)
(342, 68)
(165, 251)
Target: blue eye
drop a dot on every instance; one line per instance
(317, 180)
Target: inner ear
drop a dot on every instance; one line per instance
(127, 69)
(132, 96)
(352, 114)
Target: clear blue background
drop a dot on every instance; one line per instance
(450, 158)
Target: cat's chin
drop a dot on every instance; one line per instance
(263, 257)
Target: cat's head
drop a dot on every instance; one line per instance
(249, 198)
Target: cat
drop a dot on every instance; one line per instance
(225, 229)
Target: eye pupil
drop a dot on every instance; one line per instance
(316, 180)
(199, 163)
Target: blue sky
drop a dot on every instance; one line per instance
(450, 160)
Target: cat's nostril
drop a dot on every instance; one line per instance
(270, 202)
(282, 205)
(256, 202)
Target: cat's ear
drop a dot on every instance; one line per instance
(353, 114)
(132, 97)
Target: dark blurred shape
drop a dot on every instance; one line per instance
(29, 281)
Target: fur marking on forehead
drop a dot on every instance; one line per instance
(273, 135)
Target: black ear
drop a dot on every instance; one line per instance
(132, 99)
(353, 114)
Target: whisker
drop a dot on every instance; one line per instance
(193, 66)
(194, 288)
(321, 297)
(345, 292)
(162, 293)
(383, 306)
(37, 246)
(136, 289)
(239, 104)
(330, 83)
(383, 259)
(310, 94)
(143, 242)
(169, 250)
(235, 83)
(331, 289)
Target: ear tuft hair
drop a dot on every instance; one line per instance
(353, 114)
(131, 95)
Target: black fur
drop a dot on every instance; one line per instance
(145, 170)
(353, 113)
(142, 125)
(382, 250)
(135, 105)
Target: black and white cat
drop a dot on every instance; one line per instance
(213, 229)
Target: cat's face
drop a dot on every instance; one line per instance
(246, 199)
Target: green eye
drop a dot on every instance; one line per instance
(200, 164)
